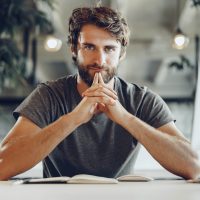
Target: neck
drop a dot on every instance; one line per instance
(82, 86)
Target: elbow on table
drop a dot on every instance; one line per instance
(3, 175)
(5, 167)
(193, 170)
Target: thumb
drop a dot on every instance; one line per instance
(93, 108)
(95, 80)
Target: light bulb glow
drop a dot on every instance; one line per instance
(180, 41)
(52, 44)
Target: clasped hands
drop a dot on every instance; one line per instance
(99, 98)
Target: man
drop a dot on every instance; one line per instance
(93, 122)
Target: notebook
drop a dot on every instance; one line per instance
(85, 179)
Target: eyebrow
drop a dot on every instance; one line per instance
(107, 46)
(87, 43)
(111, 46)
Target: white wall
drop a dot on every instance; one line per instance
(196, 122)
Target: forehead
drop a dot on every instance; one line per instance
(95, 35)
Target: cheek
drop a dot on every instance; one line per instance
(83, 58)
(114, 58)
(113, 61)
(80, 57)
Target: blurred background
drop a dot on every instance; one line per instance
(163, 53)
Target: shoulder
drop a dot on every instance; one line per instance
(144, 103)
(50, 90)
(58, 83)
(137, 96)
(132, 89)
(56, 86)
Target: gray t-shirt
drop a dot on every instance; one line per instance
(100, 146)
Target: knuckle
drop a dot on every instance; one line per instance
(101, 93)
(100, 86)
(102, 98)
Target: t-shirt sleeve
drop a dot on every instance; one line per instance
(37, 107)
(154, 110)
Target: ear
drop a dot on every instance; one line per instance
(73, 51)
(122, 56)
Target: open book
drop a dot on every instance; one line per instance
(134, 178)
(84, 179)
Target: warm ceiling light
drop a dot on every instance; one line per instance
(52, 44)
(180, 40)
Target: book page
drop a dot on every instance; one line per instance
(135, 178)
(62, 179)
(85, 178)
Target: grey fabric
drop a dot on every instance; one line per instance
(99, 147)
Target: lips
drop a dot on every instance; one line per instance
(96, 69)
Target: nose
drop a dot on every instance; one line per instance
(100, 58)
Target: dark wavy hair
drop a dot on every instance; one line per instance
(103, 17)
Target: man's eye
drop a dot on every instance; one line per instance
(109, 49)
(88, 47)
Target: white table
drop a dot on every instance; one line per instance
(158, 189)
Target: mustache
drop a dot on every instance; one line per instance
(97, 66)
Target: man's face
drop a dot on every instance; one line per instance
(97, 51)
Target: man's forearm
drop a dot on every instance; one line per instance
(20, 154)
(173, 153)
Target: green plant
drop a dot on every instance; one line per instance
(182, 63)
(12, 61)
(20, 21)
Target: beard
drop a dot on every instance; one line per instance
(83, 70)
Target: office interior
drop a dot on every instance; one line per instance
(38, 52)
